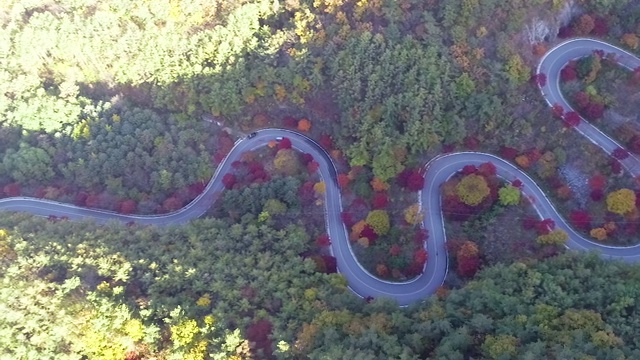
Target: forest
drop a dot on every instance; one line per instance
(131, 106)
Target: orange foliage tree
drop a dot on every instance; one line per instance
(304, 125)
(379, 185)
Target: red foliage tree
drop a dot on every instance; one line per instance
(565, 32)
(534, 155)
(594, 111)
(258, 335)
(196, 188)
(81, 198)
(343, 180)
(568, 73)
(597, 181)
(128, 206)
(228, 180)
(306, 192)
(616, 167)
(469, 169)
(471, 142)
(289, 121)
(380, 200)
(369, 233)
(420, 257)
(312, 167)
(447, 148)
(420, 236)
(395, 250)
(581, 99)
(285, 143)
(557, 111)
(455, 210)
(171, 204)
(620, 154)
(306, 158)
(517, 183)
(597, 194)
(347, 219)
(580, 219)
(600, 26)
(323, 240)
(92, 200)
(330, 264)
(508, 153)
(468, 265)
(634, 144)
(571, 119)
(326, 141)
(403, 177)
(545, 226)
(529, 223)
(487, 169)
(539, 79)
(635, 76)
(12, 189)
(415, 182)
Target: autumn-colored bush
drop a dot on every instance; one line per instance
(468, 259)
(580, 219)
(323, 240)
(379, 185)
(523, 161)
(555, 237)
(621, 202)
(598, 233)
(620, 154)
(472, 189)
(413, 215)
(379, 221)
(568, 73)
(289, 121)
(557, 111)
(380, 200)
(228, 180)
(304, 125)
(571, 119)
(284, 143)
(631, 40)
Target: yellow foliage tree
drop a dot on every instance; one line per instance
(412, 214)
(379, 221)
(472, 189)
(286, 162)
(556, 237)
(319, 188)
(621, 202)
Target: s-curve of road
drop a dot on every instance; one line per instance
(438, 170)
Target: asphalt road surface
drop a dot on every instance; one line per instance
(438, 170)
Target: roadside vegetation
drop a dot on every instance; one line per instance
(130, 106)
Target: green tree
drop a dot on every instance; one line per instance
(28, 164)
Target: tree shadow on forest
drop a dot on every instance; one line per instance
(180, 98)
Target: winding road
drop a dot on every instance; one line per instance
(438, 170)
